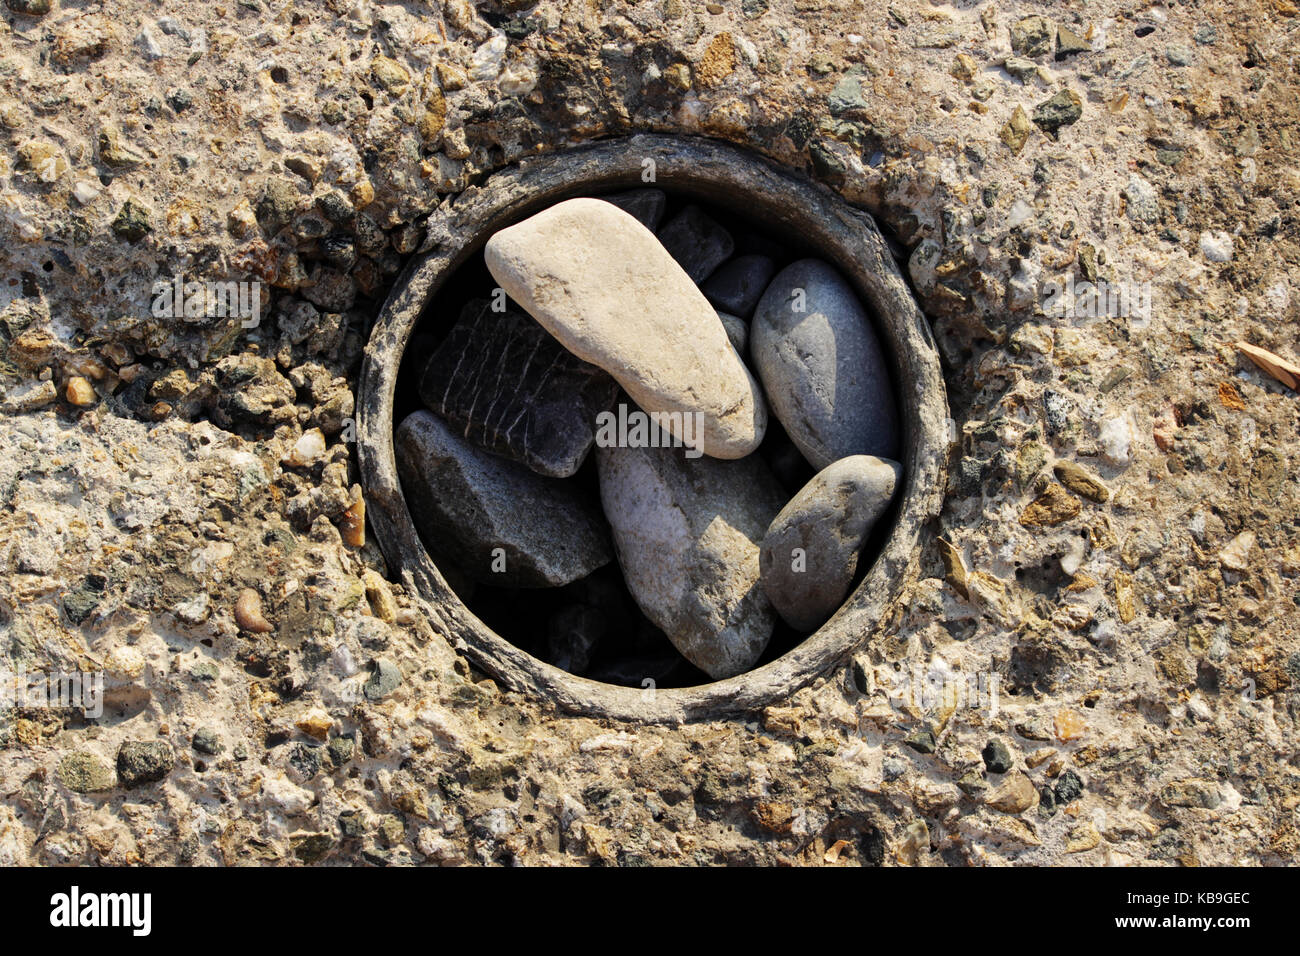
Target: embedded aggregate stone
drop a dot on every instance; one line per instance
(144, 761)
(495, 519)
(822, 366)
(600, 282)
(508, 386)
(810, 553)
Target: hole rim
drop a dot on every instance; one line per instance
(735, 178)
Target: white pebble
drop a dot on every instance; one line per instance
(1216, 246)
(1116, 439)
(307, 449)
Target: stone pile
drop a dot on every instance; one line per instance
(712, 545)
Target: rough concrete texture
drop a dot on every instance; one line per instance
(1145, 643)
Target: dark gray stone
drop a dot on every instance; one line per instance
(737, 286)
(508, 386)
(385, 677)
(997, 756)
(644, 205)
(206, 741)
(1068, 788)
(822, 366)
(468, 503)
(304, 760)
(144, 761)
(698, 243)
(922, 741)
(340, 750)
(809, 555)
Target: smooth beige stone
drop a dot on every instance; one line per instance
(603, 285)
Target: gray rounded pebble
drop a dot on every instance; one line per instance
(810, 553)
(822, 366)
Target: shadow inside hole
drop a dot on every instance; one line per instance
(632, 649)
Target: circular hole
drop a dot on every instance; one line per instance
(558, 624)
(806, 220)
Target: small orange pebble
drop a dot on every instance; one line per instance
(1068, 726)
(353, 523)
(79, 391)
(1230, 398)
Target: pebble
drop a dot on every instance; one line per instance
(1068, 788)
(140, 762)
(922, 741)
(1216, 246)
(1016, 794)
(686, 532)
(997, 756)
(307, 450)
(1016, 130)
(697, 242)
(32, 8)
(646, 206)
(738, 285)
(596, 280)
(385, 677)
(80, 392)
(1063, 109)
(206, 741)
(509, 387)
(1143, 200)
(849, 94)
(737, 331)
(496, 520)
(1081, 481)
(810, 553)
(132, 221)
(1068, 43)
(1032, 36)
(797, 353)
(352, 523)
(893, 767)
(1052, 507)
(248, 613)
(310, 847)
(1020, 68)
(83, 772)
